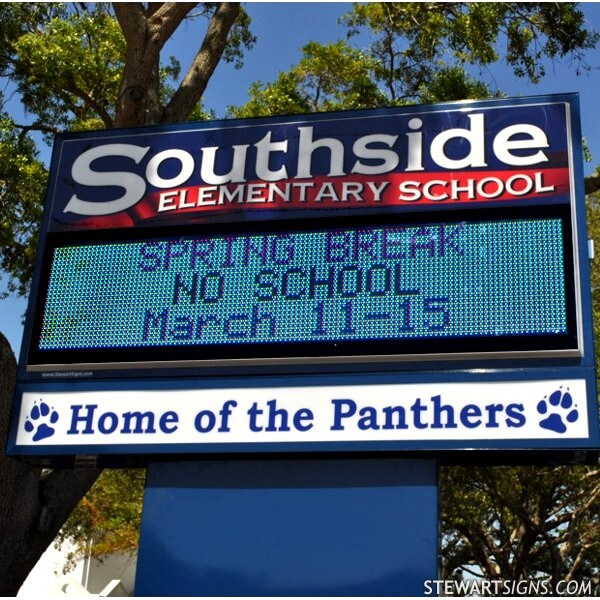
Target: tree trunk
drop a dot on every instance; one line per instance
(34, 504)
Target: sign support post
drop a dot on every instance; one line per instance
(345, 527)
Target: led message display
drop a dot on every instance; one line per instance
(290, 290)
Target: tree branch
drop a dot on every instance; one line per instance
(146, 33)
(100, 110)
(131, 18)
(32, 507)
(592, 183)
(194, 83)
(163, 22)
(25, 129)
(480, 548)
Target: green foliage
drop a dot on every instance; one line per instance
(336, 75)
(420, 52)
(68, 74)
(109, 516)
(593, 221)
(65, 62)
(22, 186)
(518, 523)
(284, 96)
(20, 18)
(328, 77)
(413, 39)
(454, 83)
(240, 39)
(339, 77)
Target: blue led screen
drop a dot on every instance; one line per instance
(414, 282)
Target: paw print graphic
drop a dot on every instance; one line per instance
(557, 410)
(40, 421)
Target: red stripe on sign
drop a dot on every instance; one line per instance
(353, 191)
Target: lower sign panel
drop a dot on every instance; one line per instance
(394, 416)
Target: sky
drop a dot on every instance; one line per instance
(283, 29)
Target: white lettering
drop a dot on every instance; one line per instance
(225, 170)
(377, 189)
(82, 173)
(185, 172)
(206, 195)
(389, 159)
(503, 144)
(427, 190)
(235, 174)
(409, 191)
(306, 148)
(264, 148)
(490, 187)
(415, 146)
(166, 201)
(475, 138)
(526, 189)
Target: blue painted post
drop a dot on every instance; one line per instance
(345, 527)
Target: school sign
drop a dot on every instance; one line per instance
(411, 279)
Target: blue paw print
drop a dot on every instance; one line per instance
(40, 420)
(559, 408)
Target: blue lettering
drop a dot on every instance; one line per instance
(229, 325)
(180, 286)
(149, 253)
(303, 419)
(315, 282)
(422, 240)
(152, 321)
(267, 289)
(342, 409)
(201, 249)
(286, 255)
(390, 244)
(108, 422)
(183, 328)
(205, 421)
(261, 319)
(276, 414)
(440, 409)
(470, 416)
(133, 422)
(515, 416)
(168, 422)
(417, 410)
(492, 409)
(298, 291)
(174, 249)
(354, 286)
(87, 418)
(364, 240)
(368, 418)
(338, 246)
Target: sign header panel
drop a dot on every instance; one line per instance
(408, 158)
